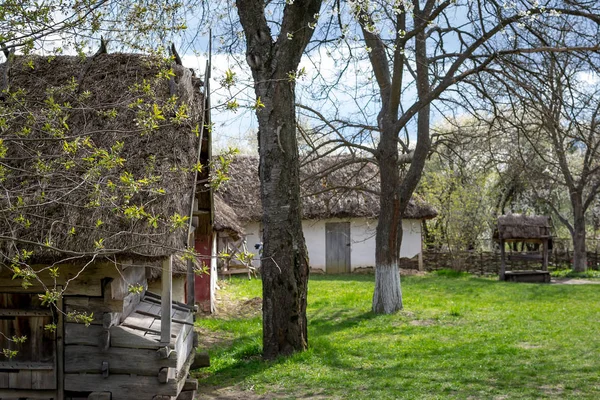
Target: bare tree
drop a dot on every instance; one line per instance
(419, 55)
(550, 103)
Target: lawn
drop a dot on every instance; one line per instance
(459, 337)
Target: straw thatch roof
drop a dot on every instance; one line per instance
(118, 162)
(328, 191)
(519, 226)
(225, 219)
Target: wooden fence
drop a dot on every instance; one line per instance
(488, 262)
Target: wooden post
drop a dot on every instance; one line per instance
(166, 304)
(191, 280)
(502, 260)
(545, 256)
(60, 350)
(481, 266)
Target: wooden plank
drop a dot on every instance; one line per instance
(80, 334)
(126, 337)
(163, 375)
(119, 287)
(190, 384)
(166, 305)
(86, 283)
(110, 319)
(104, 342)
(139, 321)
(7, 394)
(130, 302)
(4, 380)
(124, 387)
(98, 306)
(149, 296)
(148, 307)
(88, 359)
(59, 349)
(99, 396)
(142, 328)
(15, 365)
(20, 380)
(190, 282)
(502, 261)
(185, 346)
(176, 320)
(187, 395)
(176, 305)
(545, 255)
(43, 379)
(4, 312)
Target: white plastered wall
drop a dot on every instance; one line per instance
(362, 232)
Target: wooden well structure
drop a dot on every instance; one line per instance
(533, 233)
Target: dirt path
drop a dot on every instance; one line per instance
(228, 393)
(575, 281)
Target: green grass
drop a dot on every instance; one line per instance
(459, 337)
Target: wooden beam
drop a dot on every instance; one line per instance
(60, 350)
(27, 394)
(25, 313)
(153, 297)
(191, 288)
(503, 261)
(150, 314)
(10, 365)
(99, 396)
(545, 255)
(166, 304)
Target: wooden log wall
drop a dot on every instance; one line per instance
(100, 289)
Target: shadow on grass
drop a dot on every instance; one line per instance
(242, 358)
(344, 277)
(324, 323)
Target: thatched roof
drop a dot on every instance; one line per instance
(129, 151)
(518, 226)
(225, 219)
(328, 191)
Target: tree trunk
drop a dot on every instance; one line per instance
(387, 297)
(284, 265)
(285, 270)
(578, 235)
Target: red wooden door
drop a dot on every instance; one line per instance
(203, 246)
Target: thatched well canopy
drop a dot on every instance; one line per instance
(99, 155)
(327, 190)
(522, 227)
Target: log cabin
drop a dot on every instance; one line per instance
(103, 171)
